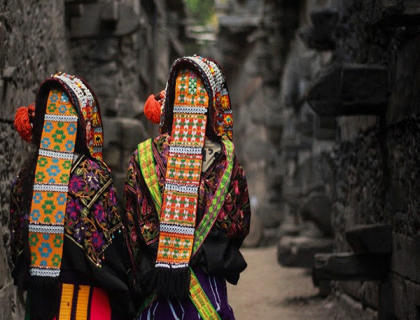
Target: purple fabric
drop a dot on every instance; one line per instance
(214, 287)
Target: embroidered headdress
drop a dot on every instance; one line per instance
(220, 117)
(67, 120)
(196, 106)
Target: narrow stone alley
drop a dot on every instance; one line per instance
(269, 291)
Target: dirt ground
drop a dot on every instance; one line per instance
(269, 291)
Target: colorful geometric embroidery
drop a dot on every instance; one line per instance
(221, 103)
(180, 198)
(148, 169)
(52, 173)
(89, 110)
(212, 211)
(210, 215)
(200, 300)
(217, 87)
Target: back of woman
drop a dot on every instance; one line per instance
(66, 231)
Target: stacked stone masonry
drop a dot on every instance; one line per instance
(356, 63)
(37, 39)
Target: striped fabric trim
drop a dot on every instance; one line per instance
(210, 215)
(66, 301)
(201, 301)
(82, 308)
(148, 170)
(81, 302)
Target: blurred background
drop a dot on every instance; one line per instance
(326, 124)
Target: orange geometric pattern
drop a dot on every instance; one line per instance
(185, 169)
(52, 174)
(180, 207)
(180, 198)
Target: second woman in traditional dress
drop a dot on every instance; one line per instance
(186, 201)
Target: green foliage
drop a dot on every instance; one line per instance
(201, 10)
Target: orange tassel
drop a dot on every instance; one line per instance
(152, 109)
(23, 123)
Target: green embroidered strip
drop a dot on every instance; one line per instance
(212, 211)
(148, 169)
(201, 300)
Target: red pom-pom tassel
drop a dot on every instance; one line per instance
(152, 109)
(23, 121)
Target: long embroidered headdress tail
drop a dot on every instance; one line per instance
(196, 104)
(46, 221)
(65, 107)
(180, 197)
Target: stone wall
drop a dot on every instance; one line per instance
(327, 100)
(34, 44)
(251, 45)
(38, 39)
(373, 159)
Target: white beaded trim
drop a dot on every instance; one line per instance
(186, 109)
(55, 154)
(83, 93)
(44, 272)
(179, 265)
(185, 150)
(171, 228)
(46, 228)
(61, 118)
(206, 70)
(217, 75)
(181, 188)
(171, 265)
(51, 187)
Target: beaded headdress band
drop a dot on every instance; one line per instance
(220, 111)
